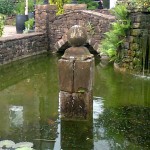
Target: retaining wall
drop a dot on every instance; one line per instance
(135, 52)
(21, 46)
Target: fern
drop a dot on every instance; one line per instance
(120, 11)
(115, 37)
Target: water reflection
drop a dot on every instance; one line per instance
(29, 109)
(124, 127)
(76, 135)
(16, 115)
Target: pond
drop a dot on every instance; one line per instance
(29, 109)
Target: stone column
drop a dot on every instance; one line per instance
(76, 71)
(43, 15)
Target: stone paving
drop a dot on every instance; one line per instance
(9, 31)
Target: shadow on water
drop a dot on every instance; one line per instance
(29, 109)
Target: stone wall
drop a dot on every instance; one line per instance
(43, 15)
(21, 46)
(135, 53)
(50, 30)
(56, 27)
(95, 23)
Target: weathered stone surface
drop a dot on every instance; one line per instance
(137, 38)
(72, 7)
(136, 32)
(126, 45)
(83, 75)
(76, 73)
(66, 75)
(77, 36)
(75, 105)
(91, 21)
(44, 14)
(134, 46)
(24, 45)
(77, 53)
(136, 25)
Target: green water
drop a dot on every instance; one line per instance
(29, 109)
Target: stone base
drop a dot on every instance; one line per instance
(76, 105)
(73, 7)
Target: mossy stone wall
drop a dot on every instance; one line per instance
(134, 55)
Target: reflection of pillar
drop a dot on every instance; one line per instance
(76, 68)
(76, 135)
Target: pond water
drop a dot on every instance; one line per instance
(29, 109)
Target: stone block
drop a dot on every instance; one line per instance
(136, 32)
(136, 25)
(76, 105)
(72, 7)
(65, 75)
(126, 45)
(83, 75)
(134, 46)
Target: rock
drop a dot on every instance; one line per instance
(77, 36)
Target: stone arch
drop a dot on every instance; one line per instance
(62, 45)
(96, 24)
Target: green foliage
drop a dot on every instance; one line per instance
(59, 4)
(6, 7)
(120, 12)
(30, 5)
(139, 3)
(91, 5)
(20, 7)
(114, 38)
(39, 1)
(2, 19)
(106, 3)
(29, 23)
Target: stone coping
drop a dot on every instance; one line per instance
(99, 14)
(20, 36)
(106, 16)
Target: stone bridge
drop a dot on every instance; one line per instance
(56, 27)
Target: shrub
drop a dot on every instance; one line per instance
(139, 3)
(2, 18)
(6, 7)
(114, 38)
(29, 24)
(30, 5)
(59, 4)
(20, 7)
(91, 5)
